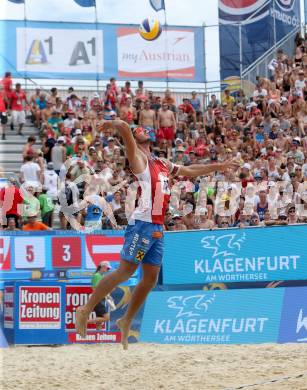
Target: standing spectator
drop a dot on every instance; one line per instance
(101, 311)
(195, 102)
(18, 101)
(30, 172)
(28, 149)
(69, 201)
(3, 113)
(147, 120)
(46, 207)
(7, 85)
(10, 202)
(50, 182)
(166, 125)
(58, 155)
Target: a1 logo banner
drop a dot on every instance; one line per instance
(102, 248)
(5, 253)
(29, 252)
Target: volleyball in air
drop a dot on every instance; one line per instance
(150, 29)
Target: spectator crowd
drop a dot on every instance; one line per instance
(81, 166)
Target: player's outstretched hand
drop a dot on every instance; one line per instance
(231, 164)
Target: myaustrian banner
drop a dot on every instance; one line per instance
(248, 255)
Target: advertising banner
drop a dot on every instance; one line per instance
(93, 51)
(263, 23)
(59, 50)
(8, 311)
(237, 255)
(140, 58)
(39, 307)
(78, 295)
(212, 317)
(294, 316)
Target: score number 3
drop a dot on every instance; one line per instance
(67, 253)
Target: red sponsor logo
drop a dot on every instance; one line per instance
(95, 337)
(39, 307)
(102, 248)
(66, 252)
(78, 296)
(8, 307)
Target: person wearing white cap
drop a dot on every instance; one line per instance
(101, 309)
(144, 240)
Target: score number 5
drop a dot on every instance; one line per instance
(30, 253)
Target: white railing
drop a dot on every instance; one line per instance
(260, 67)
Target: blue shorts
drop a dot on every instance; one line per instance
(143, 243)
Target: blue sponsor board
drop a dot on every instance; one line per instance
(237, 255)
(263, 23)
(293, 327)
(212, 317)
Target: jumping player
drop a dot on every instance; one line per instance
(144, 234)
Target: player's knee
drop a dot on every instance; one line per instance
(123, 274)
(150, 280)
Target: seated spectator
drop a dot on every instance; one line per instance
(33, 224)
(11, 225)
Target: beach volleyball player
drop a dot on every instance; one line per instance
(144, 234)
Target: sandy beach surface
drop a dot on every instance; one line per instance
(152, 366)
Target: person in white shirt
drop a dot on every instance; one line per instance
(71, 121)
(51, 181)
(116, 201)
(260, 93)
(78, 137)
(110, 149)
(300, 83)
(30, 172)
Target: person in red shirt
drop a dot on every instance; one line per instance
(10, 199)
(3, 115)
(7, 84)
(187, 108)
(18, 100)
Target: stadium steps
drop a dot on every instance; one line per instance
(11, 148)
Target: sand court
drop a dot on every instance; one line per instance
(153, 366)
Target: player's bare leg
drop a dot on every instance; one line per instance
(106, 285)
(143, 288)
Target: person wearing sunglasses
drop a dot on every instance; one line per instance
(143, 244)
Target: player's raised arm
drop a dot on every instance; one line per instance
(205, 169)
(135, 157)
